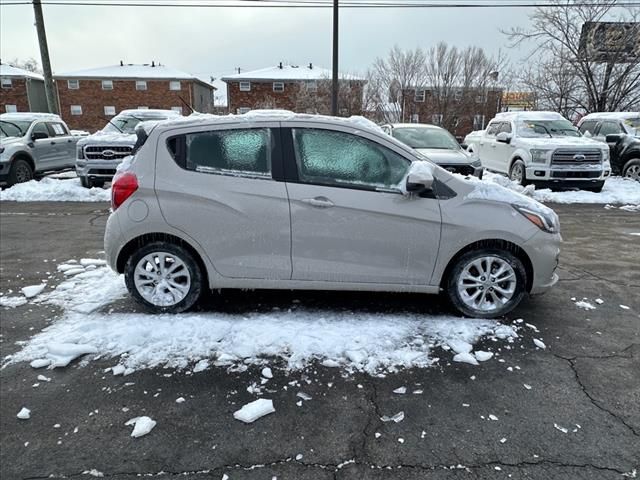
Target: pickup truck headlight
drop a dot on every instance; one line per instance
(476, 163)
(80, 153)
(547, 222)
(538, 155)
(605, 155)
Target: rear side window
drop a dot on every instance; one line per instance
(246, 151)
(326, 157)
(57, 130)
(588, 126)
(609, 128)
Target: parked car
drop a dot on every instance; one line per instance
(621, 131)
(33, 144)
(438, 145)
(317, 203)
(542, 148)
(99, 154)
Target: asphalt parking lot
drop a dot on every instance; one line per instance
(586, 381)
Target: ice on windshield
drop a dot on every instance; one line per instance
(547, 128)
(426, 138)
(127, 123)
(13, 128)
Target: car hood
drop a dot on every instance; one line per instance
(446, 157)
(560, 142)
(4, 141)
(100, 138)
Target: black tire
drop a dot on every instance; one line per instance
(85, 182)
(98, 183)
(20, 172)
(457, 269)
(520, 164)
(597, 189)
(195, 272)
(626, 171)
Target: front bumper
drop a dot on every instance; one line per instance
(571, 174)
(543, 250)
(98, 169)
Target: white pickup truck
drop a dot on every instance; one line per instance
(542, 148)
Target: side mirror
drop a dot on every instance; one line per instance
(419, 178)
(504, 137)
(614, 137)
(464, 146)
(38, 136)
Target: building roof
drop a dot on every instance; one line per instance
(10, 71)
(132, 71)
(288, 72)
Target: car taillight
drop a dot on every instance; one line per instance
(123, 186)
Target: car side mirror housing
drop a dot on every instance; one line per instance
(614, 137)
(38, 136)
(504, 137)
(419, 178)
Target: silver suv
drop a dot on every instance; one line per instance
(286, 201)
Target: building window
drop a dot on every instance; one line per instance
(177, 109)
(109, 111)
(478, 122)
(6, 82)
(143, 108)
(245, 86)
(73, 84)
(76, 109)
(415, 118)
(436, 119)
(141, 84)
(107, 84)
(312, 86)
(175, 85)
(243, 110)
(10, 108)
(419, 96)
(278, 86)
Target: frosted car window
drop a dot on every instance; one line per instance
(335, 158)
(609, 128)
(246, 151)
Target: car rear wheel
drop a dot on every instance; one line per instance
(632, 170)
(518, 173)
(20, 172)
(486, 283)
(164, 277)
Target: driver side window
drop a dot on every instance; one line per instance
(493, 128)
(326, 157)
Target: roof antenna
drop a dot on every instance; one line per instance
(310, 66)
(121, 63)
(280, 66)
(238, 69)
(153, 63)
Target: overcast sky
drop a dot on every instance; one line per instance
(215, 41)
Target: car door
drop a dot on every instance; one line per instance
(486, 146)
(502, 151)
(43, 148)
(608, 127)
(217, 187)
(64, 144)
(349, 221)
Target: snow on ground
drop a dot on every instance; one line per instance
(352, 340)
(54, 190)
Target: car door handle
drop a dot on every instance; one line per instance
(319, 202)
(53, 143)
(69, 141)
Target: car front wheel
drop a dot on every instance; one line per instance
(164, 277)
(632, 170)
(486, 283)
(518, 173)
(20, 172)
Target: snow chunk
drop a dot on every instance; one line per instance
(41, 362)
(267, 373)
(180, 400)
(599, 301)
(85, 262)
(118, 369)
(42, 378)
(465, 358)
(201, 366)
(539, 343)
(400, 390)
(12, 302)
(24, 414)
(303, 396)
(62, 354)
(93, 473)
(562, 429)
(460, 346)
(33, 290)
(586, 305)
(624, 307)
(141, 426)
(483, 356)
(254, 410)
(397, 418)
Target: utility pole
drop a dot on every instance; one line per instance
(334, 73)
(44, 54)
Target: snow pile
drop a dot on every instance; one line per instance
(54, 190)
(12, 302)
(355, 341)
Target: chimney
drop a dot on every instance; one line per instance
(121, 63)
(310, 66)
(280, 66)
(238, 69)
(153, 63)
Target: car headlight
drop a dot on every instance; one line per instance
(80, 153)
(605, 155)
(546, 221)
(538, 155)
(476, 163)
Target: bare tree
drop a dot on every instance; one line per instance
(584, 80)
(30, 64)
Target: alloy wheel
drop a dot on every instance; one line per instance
(633, 172)
(487, 283)
(162, 279)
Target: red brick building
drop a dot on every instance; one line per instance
(459, 110)
(89, 98)
(302, 89)
(21, 90)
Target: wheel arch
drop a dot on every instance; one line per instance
(135, 243)
(22, 155)
(494, 243)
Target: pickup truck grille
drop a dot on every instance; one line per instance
(104, 152)
(576, 157)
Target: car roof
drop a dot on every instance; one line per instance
(150, 112)
(530, 115)
(30, 116)
(263, 116)
(610, 115)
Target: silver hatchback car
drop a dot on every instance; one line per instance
(284, 201)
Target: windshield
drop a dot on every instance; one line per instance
(546, 128)
(127, 123)
(633, 124)
(426, 138)
(13, 128)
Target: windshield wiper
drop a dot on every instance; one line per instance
(15, 125)
(119, 129)
(545, 129)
